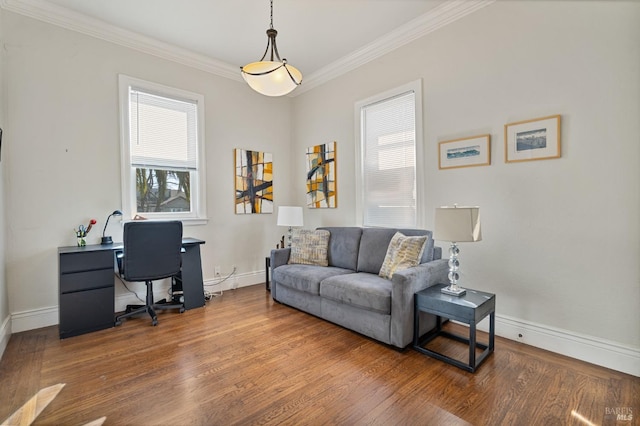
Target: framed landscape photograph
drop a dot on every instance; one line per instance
(465, 152)
(537, 139)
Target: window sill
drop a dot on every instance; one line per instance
(185, 221)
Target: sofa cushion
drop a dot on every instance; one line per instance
(361, 290)
(428, 254)
(309, 247)
(374, 244)
(373, 248)
(403, 252)
(344, 243)
(305, 278)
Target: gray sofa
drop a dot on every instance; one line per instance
(349, 292)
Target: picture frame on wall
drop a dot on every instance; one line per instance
(253, 180)
(322, 181)
(536, 139)
(465, 152)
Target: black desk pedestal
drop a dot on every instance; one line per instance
(86, 290)
(191, 277)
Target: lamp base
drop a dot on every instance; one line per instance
(106, 240)
(453, 291)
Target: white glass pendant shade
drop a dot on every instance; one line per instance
(271, 78)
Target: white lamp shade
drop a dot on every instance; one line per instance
(274, 79)
(289, 216)
(457, 224)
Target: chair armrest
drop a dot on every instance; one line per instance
(406, 283)
(278, 257)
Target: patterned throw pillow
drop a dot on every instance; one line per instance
(310, 247)
(403, 252)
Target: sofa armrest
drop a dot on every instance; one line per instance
(278, 257)
(405, 284)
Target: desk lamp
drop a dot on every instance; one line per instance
(456, 225)
(289, 216)
(107, 239)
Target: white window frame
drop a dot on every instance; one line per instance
(198, 213)
(416, 88)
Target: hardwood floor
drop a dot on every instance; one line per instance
(244, 359)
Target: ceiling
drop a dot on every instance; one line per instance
(317, 37)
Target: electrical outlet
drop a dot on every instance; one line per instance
(216, 270)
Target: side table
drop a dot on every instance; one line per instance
(267, 267)
(470, 309)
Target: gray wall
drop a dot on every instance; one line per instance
(64, 159)
(5, 325)
(560, 237)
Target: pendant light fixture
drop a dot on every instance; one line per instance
(273, 77)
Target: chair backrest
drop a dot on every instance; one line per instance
(152, 250)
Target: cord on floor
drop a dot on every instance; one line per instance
(210, 294)
(128, 289)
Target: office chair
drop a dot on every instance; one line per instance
(151, 252)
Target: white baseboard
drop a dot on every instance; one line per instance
(35, 318)
(45, 317)
(5, 334)
(601, 352)
(210, 285)
(586, 348)
(234, 281)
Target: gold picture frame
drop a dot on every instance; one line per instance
(529, 140)
(322, 181)
(253, 180)
(472, 151)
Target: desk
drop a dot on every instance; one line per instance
(86, 297)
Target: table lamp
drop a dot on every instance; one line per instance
(456, 225)
(108, 239)
(289, 216)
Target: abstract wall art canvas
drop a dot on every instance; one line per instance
(253, 182)
(322, 184)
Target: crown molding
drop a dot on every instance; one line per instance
(65, 18)
(438, 17)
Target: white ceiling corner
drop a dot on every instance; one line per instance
(442, 13)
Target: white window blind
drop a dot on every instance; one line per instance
(389, 162)
(163, 130)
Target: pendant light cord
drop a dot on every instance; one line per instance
(271, 15)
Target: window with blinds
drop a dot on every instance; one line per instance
(162, 152)
(388, 161)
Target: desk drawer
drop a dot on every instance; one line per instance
(85, 261)
(85, 311)
(80, 281)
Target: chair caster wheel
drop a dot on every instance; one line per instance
(154, 322)
(117, 323)
(181, 310)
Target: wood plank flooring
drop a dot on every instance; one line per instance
(243, 359)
